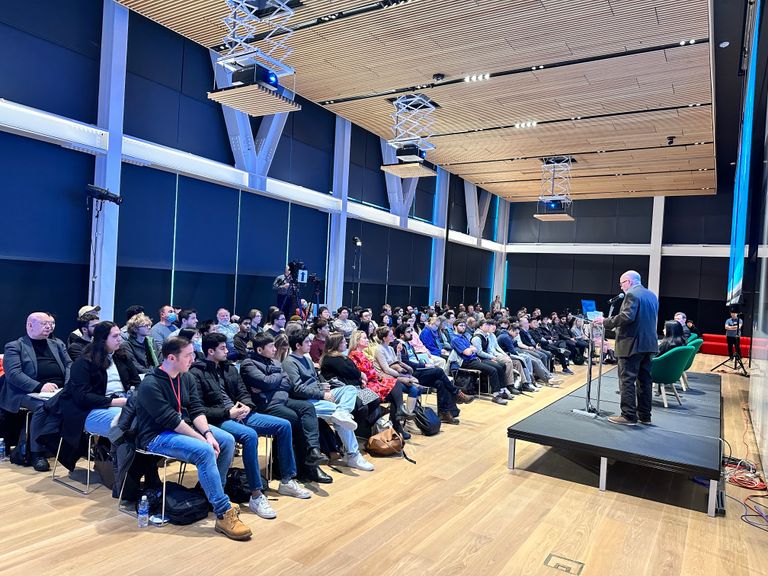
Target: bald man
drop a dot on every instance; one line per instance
(34, 363)
(636, 344)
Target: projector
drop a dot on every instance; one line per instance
(255, 75)
(411, 153)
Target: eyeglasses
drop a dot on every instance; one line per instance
(46, 322)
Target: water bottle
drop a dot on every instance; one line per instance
(2, 450)
(143, 512)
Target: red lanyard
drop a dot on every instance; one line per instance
(177, 390)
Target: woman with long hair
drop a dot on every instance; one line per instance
(673, 336)
(389, 389)
(282, 347)
(387, 363)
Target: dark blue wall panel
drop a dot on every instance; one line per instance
(263, 236)
(44, 215)
(145, 234)
(308, 239)
(203, 291)
(149, 287)
(206, 228)
(27, 287)
(52, 56)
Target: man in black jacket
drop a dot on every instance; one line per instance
(636, 344)
(270, 388)
(228, 404)
(33, 364)
(547, 343)
(171, 421)
(80, 338)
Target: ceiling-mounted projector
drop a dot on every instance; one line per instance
(411, 153)
(255, 74)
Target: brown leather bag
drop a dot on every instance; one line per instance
(385, 443)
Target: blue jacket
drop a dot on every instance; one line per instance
(506, 343)
(429, 338)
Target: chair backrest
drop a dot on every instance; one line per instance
(667, 368)
(696, 345)
(692, 337)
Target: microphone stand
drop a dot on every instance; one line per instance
(591, 411)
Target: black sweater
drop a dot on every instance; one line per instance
(342, 368)
(157, 407)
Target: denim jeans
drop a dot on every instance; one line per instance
(247, 433)
(344, 399)
(99, 421)
(211, 471)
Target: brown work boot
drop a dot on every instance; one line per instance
(448, 418)
(231, 526)
(462, 398)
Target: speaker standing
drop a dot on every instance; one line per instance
(636, 344)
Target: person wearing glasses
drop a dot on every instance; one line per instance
(636, 344)
(33, 364)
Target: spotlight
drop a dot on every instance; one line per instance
(356, 241)
(670, 140)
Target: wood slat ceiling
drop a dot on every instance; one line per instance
(406, 45)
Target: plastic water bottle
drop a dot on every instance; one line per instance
(143, 512)
(2, 450)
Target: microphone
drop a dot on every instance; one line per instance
(616, 298)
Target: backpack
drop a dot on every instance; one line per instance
(426, 420)
(183, 505)
(237, 487)
(385, 443)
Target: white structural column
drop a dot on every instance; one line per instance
(105, 215)
(657, 232)
(253, 155)
(500, 256)
(477, 209)
(400, 191)
(338, 234)
(440, 212)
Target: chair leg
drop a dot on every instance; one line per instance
(88, 488)
(684, 381)
(674, 390)
(268, 441)
(664, 395)
(165, 478)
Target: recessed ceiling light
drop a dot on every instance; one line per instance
(682, 42)
(691, 41)
(724, 44)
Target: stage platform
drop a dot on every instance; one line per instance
(683, 439)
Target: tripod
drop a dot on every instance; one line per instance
(738, 365)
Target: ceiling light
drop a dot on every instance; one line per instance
(540, 67)
(724, 44)
(682, 42)
(691, 41)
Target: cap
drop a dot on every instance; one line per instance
(86, 309)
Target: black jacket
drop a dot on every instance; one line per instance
(66, 412)
(342, 368)
(157, 409)
(240, 343)
(20, 365)
(207, 377)
(636, 323)
(267, 382)
(75, 345)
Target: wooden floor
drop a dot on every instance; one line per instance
(457, 511)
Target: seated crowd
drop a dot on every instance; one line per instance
(192, 390)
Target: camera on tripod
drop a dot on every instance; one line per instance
(298, 271)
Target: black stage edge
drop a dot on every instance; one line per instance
(683, 439)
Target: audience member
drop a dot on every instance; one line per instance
(242, 340)
(187, 320)
(546, 342)
(255, 315)
(33, 364)
(165, 326)
(481, 342)
(171, 421)
(130, 312)
(343, 323)
(141, 348)
(387, 364)
(276, 323)
(424, 354)
(80, 338)
(321, 330)
(682, 319)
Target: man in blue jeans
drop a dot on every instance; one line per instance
(171, 420)
(228, 405)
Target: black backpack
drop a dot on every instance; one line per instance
(426, 420)
(236, 486)
(184, 505)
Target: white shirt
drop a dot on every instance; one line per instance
(114, 384)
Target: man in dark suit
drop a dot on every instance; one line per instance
(33, 364)
(636, 344)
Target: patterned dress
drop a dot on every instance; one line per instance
(381, 385)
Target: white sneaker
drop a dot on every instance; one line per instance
(260, 506)
(292, 488)
(344, 419)
(356, 460)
